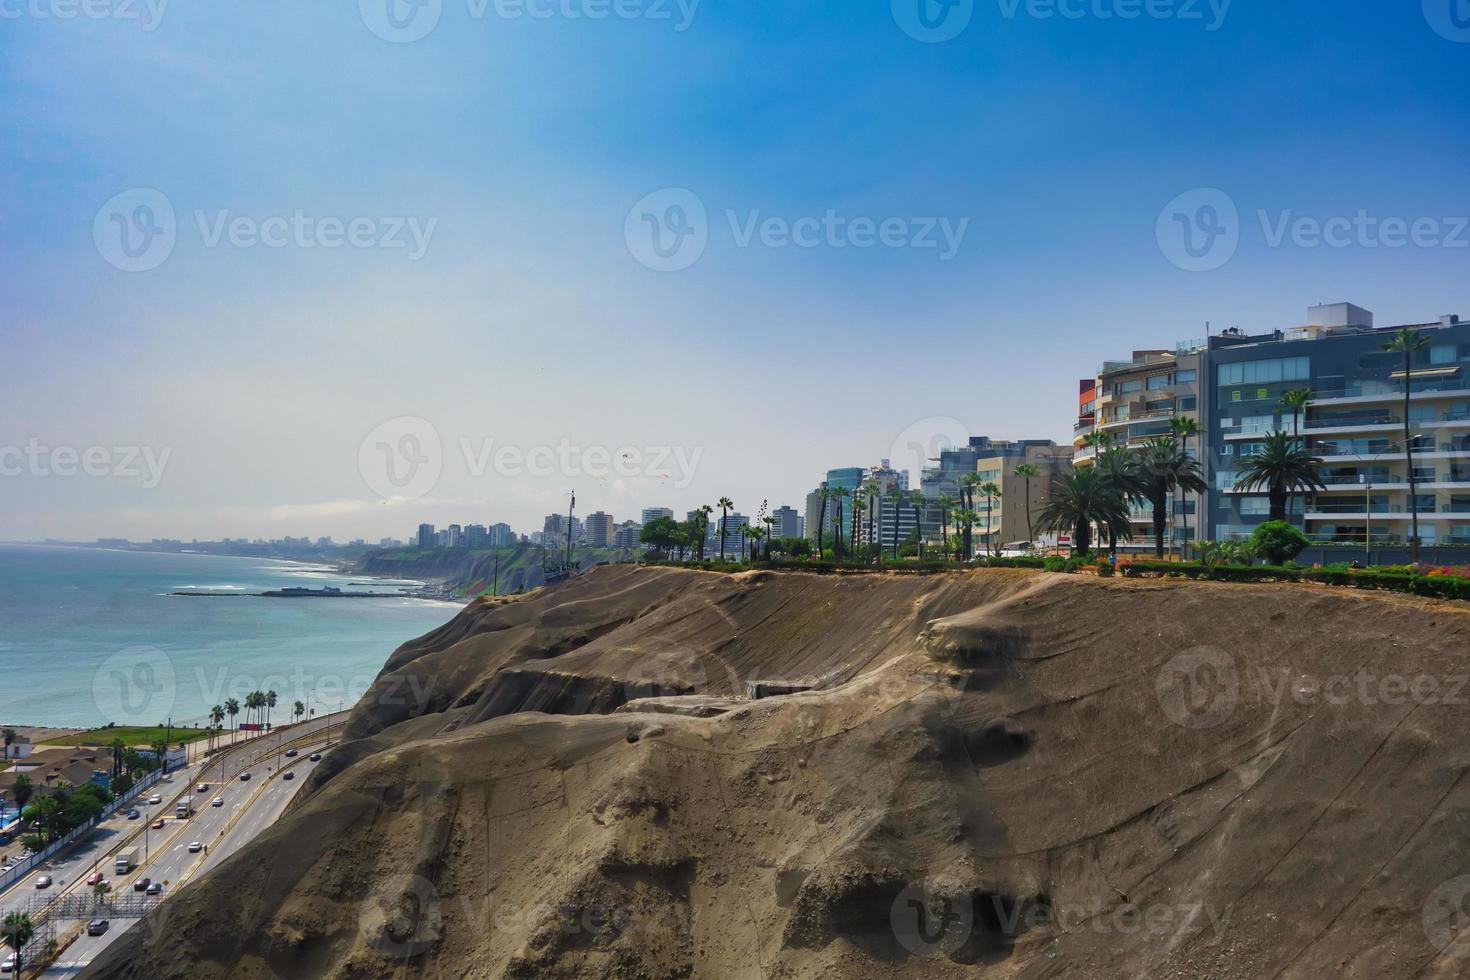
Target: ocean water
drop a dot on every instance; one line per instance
(91, 636)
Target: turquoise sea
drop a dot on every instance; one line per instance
(90, 636)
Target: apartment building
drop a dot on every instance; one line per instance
(599, 530)
(1005, 519)
(1354, 422)
(1133, 401)
(1233, 384)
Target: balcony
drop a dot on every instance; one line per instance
(1371, 391)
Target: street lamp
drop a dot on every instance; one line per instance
(1367, 517)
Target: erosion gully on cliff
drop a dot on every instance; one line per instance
(986, 773)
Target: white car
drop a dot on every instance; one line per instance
(155, 800)
(44, 881)
(218, 801)
(195, 847)
(9, 965)
(203, 788)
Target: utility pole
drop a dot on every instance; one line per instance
(495, 583)
(570, 510)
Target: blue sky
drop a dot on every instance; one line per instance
(522, 145)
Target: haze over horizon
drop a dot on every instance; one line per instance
(332, 229)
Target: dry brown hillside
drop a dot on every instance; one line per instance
(1005, 774)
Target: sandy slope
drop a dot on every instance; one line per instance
(1009, 774)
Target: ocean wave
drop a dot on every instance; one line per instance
(217, 587)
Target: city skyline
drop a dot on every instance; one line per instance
(1026, 197)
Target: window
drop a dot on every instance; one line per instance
(1424, 474)
(1158, 382)
(1266, 371)
(1128, 388)
(1443, 354)
(1255, 506)
(1426, 503)
(1188, 404)
(1186, 377)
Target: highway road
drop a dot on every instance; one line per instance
(249, 807)
(78, 862)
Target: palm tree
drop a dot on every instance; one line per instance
(1028, 472)
(726, 505)
(17, 930)
(216, 715)
(270, 704)
(298, 710)
(1080, 499)
(232, 708)
(897, 498)
(946, 504)
(968, 483)
(1186, 427)
(1165, 466)
(1297, 401)
(917, 500)
(1119, 470)
(704, 511)
(770, 533)
(841, 493)
(1282, 467)
(1409, 342)
(757, 535)
(967, 518)
(991, 491)
(823, 494)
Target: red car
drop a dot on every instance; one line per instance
(94, 877)
(158, 824)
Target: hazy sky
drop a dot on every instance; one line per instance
(243, 247)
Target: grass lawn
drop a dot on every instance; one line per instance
(135, 735)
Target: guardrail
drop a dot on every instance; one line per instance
(30, 863)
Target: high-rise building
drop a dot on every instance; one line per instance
(426, 536)
(599, 530)
(500, 536)
(475, 536)
(455, 534)
(1234, 383)
(654, 513)
(788, 522)
(626, 535)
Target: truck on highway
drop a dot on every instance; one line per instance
(127, 859)
(185, 809)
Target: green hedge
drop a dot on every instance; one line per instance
(1434, 586)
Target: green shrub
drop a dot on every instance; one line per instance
(1278, 541)
(1054, 563)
